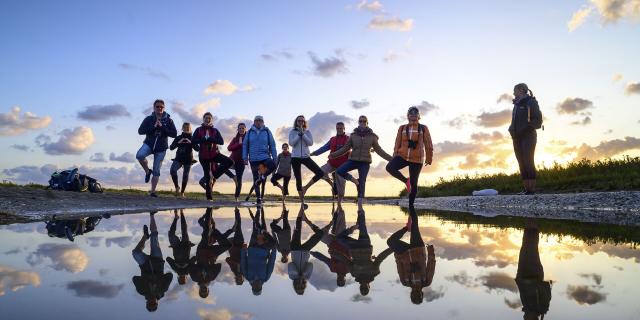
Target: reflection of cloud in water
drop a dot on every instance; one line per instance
(513, 304)
(13, 251)
(94, 289)
(430, 294)
(192, 292)
(360, 298)
(323, 279)
(498, 281)
(173, 292)
(585, 295)
(462, 278)
(68, 257)
(25, 227)
(93, 241)
(121, 242)
(594, 276)
(222, 314)
(15, 280)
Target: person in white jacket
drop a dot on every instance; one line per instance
(300, 139)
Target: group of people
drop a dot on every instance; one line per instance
(256, 147)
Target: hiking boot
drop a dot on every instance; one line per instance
(147, 176)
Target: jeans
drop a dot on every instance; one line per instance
(338, 180)
(175, 166)
(296, 164)
(146, 151)
(141, 257)
(363, 171)
(525, 148)
(397, 163)
(254, 171)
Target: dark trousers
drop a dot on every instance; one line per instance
(254, 171)
(285, 223)
(396, 164)
(398, 246)
(223, 162)
(211, 235)
(238, 237)
(175, 166)
(363, 240)
(363, 171)
(174, 240)
(296, 240)
(285, 182)
(260, 227)
(529, 265)
(239, 169)
(296, 164)
(525, 149)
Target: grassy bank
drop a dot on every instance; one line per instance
(578, 176)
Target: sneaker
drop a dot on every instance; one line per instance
(529, 193)
(145, 230)
(147, 176)
(305, 206)
(247, 198)
(153, 195)
(408, 185)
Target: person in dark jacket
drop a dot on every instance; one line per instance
(152, 283)
(414, 269)
(181, 246)
(206, 138)
(259, 150)
(204, 268)
(237, 245)
(183, 159)
(282, 235)
(235, 146)
(339, 257)
(258, 260)
(525, 119)
(535, 293)
(156, 128)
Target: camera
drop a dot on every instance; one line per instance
(413, 144)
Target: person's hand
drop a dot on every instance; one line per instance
(430, 249)
(246, 162)
(300, 133)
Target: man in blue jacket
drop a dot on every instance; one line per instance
(257, 261)
(259, 148)
(156, 128)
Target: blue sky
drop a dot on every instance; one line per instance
(459, 57)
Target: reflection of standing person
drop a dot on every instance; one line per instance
(235, 146)
(259, 148)
(300, 268)
(411, 259)
(282, 235)
(339, 256)
(181, 248)
(525, 119)
(206, 138)
(205, 269)
(535, 293)
(336, 142)
(71, 228)
(237, 244)
(152, 282)
(414, 149)
(364, 266)
(257, 261)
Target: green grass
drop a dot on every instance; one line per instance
(577, 176)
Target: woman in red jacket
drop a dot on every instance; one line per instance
(235, 146)
(206, 138)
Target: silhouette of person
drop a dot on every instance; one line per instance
(282, 235)
(181, 248)
(364, 266)
(70, 228)
(300, 269)
(414, 270)
(152, 282)
(535, 293)
(258, 260)
(237, 245)
(338, 253)
(204, 268)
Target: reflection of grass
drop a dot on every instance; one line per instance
(578, 176)
(590, 233)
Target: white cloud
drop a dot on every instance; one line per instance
(329, 66)
(126, 157)
(617, 77)
(194, 115)
(505, 97)
(145, 70)
(14, 123)
(632, 88)
(391, 56)
(573, 106)
(68, 257)
(226, 88)
(70, 141)
(103, 112)
(15, 280)
(374, 6)
(494, 119)
(610, 12)
(393, 23)
(578, 18)
(359, 104)
(98, 157)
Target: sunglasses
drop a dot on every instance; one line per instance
(159, 107)
(362, 121)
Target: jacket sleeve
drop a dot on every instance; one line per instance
(272, 145)
(431, 266)
(217, 139)
(308, 138)
(243, 261)
(234, 145)
(294, 138)
(278, 160)
(342, 150)
(146, 127)
(245, 148)
(379, 151)
(170, 129)
(174, 144)
(321, 257)
(196, 140)
(383, 255)
(270, 264)
(396, 147)
(322, 149)
(428, 145)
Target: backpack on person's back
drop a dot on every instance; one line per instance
(71, 180)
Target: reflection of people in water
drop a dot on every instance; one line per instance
(204, 268)
(535, 293)
(257, 261)
(411, 259)
(364, 266)
(71, 227)
(237, 244)
(181, 248)
(300, 268)
(152, 282)
(282, 234)
(339, 256)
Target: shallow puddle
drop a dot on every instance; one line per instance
(592, 270)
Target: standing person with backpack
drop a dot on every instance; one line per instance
(300, 139)
(156, 128)
(206, 139)
(259, 148)
(235, 146)
(525, 119)
(361, 141)
(184, 158)
(336, 142)
(414, 149)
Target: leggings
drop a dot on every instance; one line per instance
(311, 165)
(174, 240)
(529, 265)
(239, 169)
(260, 227)
(525, 148)
(397, 163)
(223, 162)
(238, 237)
(296, 241)
(175, 166)
(285, 182)
(363, 240)
(398, 246)
(363, 171)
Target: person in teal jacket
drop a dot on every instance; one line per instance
(258, 260)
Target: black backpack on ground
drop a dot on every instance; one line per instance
(71, 180)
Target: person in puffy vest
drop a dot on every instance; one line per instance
(535, 293)
(206, 139)
(259, 149)
(525, 119)
(414, 149)
(235, 146)
(336, 142)
(156, 128)
(300, 139)
(414, 269)
(183, 159)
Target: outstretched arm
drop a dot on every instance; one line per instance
(381, 152)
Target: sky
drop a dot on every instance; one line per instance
(78, 77)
